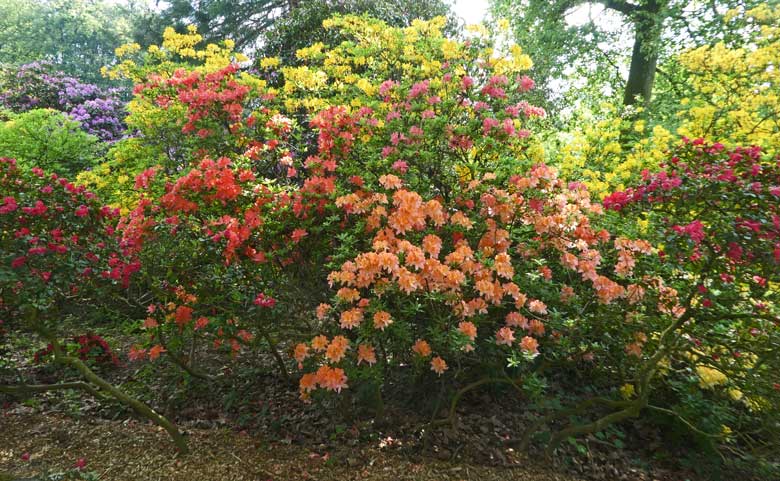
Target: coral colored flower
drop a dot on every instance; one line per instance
(537, 306)
(201, 323)
(366, 353)
(505, 336)
(432, 245)
(468, 329)
(337, 349)
(567, 294)
(308, 383)
(438, 365)
(150, 323)
(634, 349)
(298, 234)
(183, 315)
(390, 181)
(319, 343)
(136, 353)
(529, 344)
(422, 348)
(300, 353)
(332, 379)
(155, 352)
(351, 318)
(515, 319)
(322, 311)
(536, 327)
(347, 294)
(382, 319)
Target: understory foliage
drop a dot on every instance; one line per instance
(381, 209)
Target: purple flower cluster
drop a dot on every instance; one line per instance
(37, 85)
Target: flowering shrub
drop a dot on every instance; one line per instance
(497, 273)
(55, 241)
(715, 211)
(58, 248)
(382, 205)
(36, 86)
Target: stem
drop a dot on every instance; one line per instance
(139, 407)
(458, 395)
(525, 440)
(192, 371)
(22, 389)
(597, 425)
(279, 361)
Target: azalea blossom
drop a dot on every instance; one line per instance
(438, 365)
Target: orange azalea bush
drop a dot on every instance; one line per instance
(506, 270)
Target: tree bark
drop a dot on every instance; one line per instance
(644, 56)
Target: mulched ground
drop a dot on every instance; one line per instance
(128, 450)
(250, 425)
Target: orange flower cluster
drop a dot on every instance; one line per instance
(474, 260)
(326, 377)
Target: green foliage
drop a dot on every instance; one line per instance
(50, 140)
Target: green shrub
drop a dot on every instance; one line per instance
(48, 139)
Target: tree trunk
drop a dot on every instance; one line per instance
(644, 56)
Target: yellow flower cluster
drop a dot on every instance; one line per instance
(175, 48)
(597, 155)
(737, 91)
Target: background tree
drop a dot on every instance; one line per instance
(77, 36)
(619, 50)
(303, 26)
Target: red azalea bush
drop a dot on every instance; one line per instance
(715, 213)
(57, 243)
(58, 250)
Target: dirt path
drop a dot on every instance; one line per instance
(120, 451)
